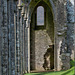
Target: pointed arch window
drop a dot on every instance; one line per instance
(40, 16)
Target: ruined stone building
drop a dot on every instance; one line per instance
(28, 27)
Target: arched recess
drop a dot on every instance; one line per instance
(34, 3)
(40, 37)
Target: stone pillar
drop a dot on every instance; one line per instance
(28, 59)
(15, 18)
(60, 31)
(1, 16)
(55, 46)
(26, 45)
(23, 41)
(28, 29)
(4, 51)
(18, 50)
(26, 50)
(27, 42)
(18, 47)
(15, 30)
(11, 37)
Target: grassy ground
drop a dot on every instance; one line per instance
(67, 72)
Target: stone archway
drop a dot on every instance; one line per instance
(46, 35)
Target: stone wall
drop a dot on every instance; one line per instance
(65, 62)
(42, 41)
(15, 35)
(70, 27)
(4, 49)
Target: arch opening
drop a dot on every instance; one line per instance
(42, 39)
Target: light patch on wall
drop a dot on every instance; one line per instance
(70, 10)
(72, 1)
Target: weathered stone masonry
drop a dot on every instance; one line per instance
(15, 19)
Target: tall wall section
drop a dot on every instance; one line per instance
(15, 33)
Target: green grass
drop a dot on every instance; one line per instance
(67, 72)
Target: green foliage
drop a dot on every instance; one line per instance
(23, 4)
(72, 63)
